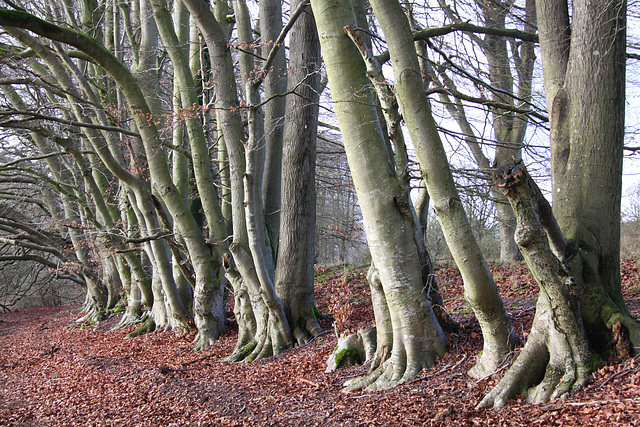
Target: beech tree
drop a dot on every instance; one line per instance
(576, 259)
(480, 288)
(409, 335)
(166, 144)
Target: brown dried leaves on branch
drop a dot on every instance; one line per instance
(50, 376)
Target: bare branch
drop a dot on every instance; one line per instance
(64, 121)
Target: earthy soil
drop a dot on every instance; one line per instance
(53, 375)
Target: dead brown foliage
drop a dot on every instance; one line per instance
(53, 376)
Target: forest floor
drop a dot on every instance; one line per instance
(53, 375)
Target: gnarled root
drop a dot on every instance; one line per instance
(148, 326)
(408, 358)
(552, 358)
(414, 338)
(92, 316)
(272, 337)
(203, 341)
(490, 360)
(130, 317)
(306, 328)
(394, 371)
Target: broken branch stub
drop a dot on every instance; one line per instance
(509, 176)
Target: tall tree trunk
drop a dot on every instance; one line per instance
(275, 83)
(583, 66)
(294, 268)
(481, 291)
(253, 263)
(208, 304)
(387, 217)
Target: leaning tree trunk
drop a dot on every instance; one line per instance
(387, 217)
(251, 259)
(96, 139)
(158, 168)
(208, 304)
(556, 354)
(481, 291)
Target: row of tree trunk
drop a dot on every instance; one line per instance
(237, 125)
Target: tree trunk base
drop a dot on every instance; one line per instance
(548, 359)
(148, 326)
(393, 372)
(129, 318)
(209, 329)
(270, 339)
(203, 340)
(306, 328)
(92, 316)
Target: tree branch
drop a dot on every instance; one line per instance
(488, 102)
(280, 41)
(509, 176)
(64, 121)
(428, 33)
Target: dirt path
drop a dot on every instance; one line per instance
(53, 376)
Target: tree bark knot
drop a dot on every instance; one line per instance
(509, 176)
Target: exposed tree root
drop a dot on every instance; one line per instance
(92, 316)
(306, 328)
(405, 344)
(148, 326)
(241, 352)
(130, 317)
(203, 341)
(549, 359)
(270, 339)
(394, 371)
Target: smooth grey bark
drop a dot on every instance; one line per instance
(273, 334)
(252, 266)
(480, 289)
(231, 130)
(180, 156)
(208, 303)
(393, 120)
(587, 151)
(417, 336)
(275, 83)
